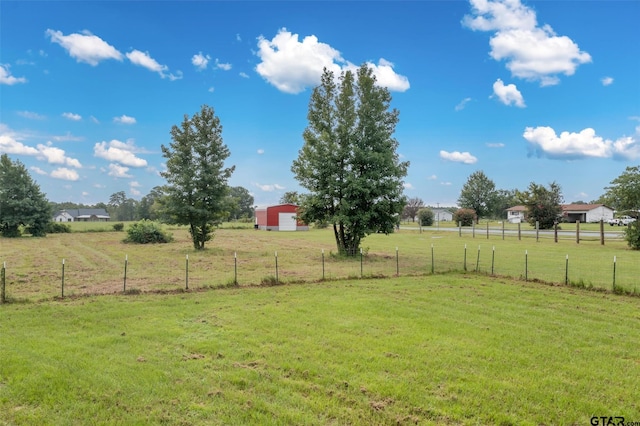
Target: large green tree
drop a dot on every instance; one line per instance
(196, 190)
(623, 194)
(241, 203)
(479, 194)
(21, 201)
(543, 204)
(349, 161)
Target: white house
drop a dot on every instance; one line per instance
(516, 214)
(586, 213)
(441, 214)
(81, 215)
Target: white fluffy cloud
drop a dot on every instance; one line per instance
(509, 94)
(85, 47)
(9, 145)
(118, 171)
(463, 103)
(72, 116)
(269, 187)
(119, 152)
(607, 81)
(531, 52)
(7, 78)
(292, 65)
(37, 170)
(223, 66)
(124, 119)
(458, 157)
(31, 115)
(200, 61)
(544, 142)
(55, 155)
(145, 60)
(65, 174)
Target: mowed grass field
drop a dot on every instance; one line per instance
(441, 349)
(95, 261)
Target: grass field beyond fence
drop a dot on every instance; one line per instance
(445, 349)
(94, 262)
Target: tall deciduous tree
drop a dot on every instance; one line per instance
(543, 204)
(623, 194)
(479, 194)
(412, 207)
(21, 201)
(290, 197)
(241, 203)
(196, 190)
(349, 161)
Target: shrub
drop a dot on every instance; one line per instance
(58, 228)
(425, 217)
(466, 216)
(118, 226)
(147, 231)
(632, 235)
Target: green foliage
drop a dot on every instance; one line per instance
(58, 228)
(21, 201)
(349, 161)
(122, 208)
(118, 227)
(624, 192)
(196, 190)
(426, 216)
(466, 216)
(543, 204)
(479, 194)
(147, 231)
(290, 197)
(241, 203)
(632, 235)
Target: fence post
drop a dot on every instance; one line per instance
(473, 229)
(62, 291)
(433, 268)
(186, 276)
(555, 231)
(397, 263)
(478, 259)
(460, 228)
(235, 268)
(277, 278)
(526, 265)
(601, 232)
(577, 232)
(614, 274)
(537, 231)
(465, 258)
(566, 271)
(493, 258)
(323, 264)
(360, 262)
(502, 229)
(124, 285)
(3, 275)
(519, 233)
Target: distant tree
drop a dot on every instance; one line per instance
(411, 208)
(623, 194)
(196, 190)
(122, 208)
(478, 194)
(21, 201)
(241, 203)
(149, 205)
(543, 204)
(425, 216)
(503, 199)
(465, 217)
(290, 197)
(349, 161)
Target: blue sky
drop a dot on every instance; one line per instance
(526, 91)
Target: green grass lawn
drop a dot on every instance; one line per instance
(442, 349)
(94, 261)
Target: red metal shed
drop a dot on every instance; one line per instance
(279, 218)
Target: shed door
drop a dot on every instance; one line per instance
(286, 221)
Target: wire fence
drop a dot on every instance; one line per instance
(90, 273)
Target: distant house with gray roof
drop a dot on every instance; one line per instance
(81, 215)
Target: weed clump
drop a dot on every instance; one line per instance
(147, 232)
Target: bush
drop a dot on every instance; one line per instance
(632, 235)
(425, 217)
(118, 227)
(147, 231)
(58, 228)
(466, 216)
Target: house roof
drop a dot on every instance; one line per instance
(582, 207)
(83, 212)
(517, 209)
